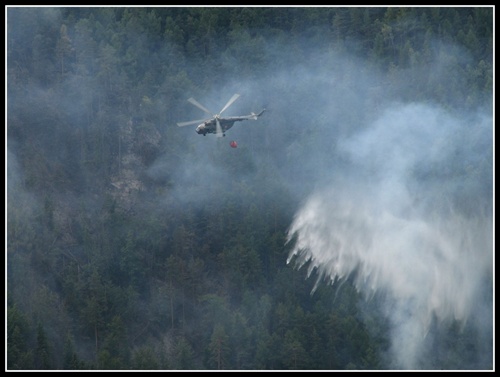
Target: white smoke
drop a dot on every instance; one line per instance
(409, 218)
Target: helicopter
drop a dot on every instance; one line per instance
(216, 124)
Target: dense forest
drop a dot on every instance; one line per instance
(134, 244)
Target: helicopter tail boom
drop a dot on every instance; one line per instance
(255, 116)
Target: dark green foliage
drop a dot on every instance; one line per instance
(218, 349)
(182, 355)
(71, 360)
(115, 352)
(108, 265)
(145, 359)
(43, 353)
(19, 353)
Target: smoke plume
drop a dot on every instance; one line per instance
(410, 219)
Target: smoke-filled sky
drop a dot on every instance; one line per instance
(396, 194)
(412, 220)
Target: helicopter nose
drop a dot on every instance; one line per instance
(201, 129)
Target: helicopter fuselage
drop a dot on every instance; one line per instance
(210, 126)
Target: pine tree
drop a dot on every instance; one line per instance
(43, 356)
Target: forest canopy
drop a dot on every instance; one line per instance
(134, 244)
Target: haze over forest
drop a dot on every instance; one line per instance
(352, 227)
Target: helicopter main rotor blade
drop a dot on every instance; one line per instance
(200, 106)
(233, 98)
(182, 124)
(218, 128)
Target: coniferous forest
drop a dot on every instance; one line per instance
(351, 228)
